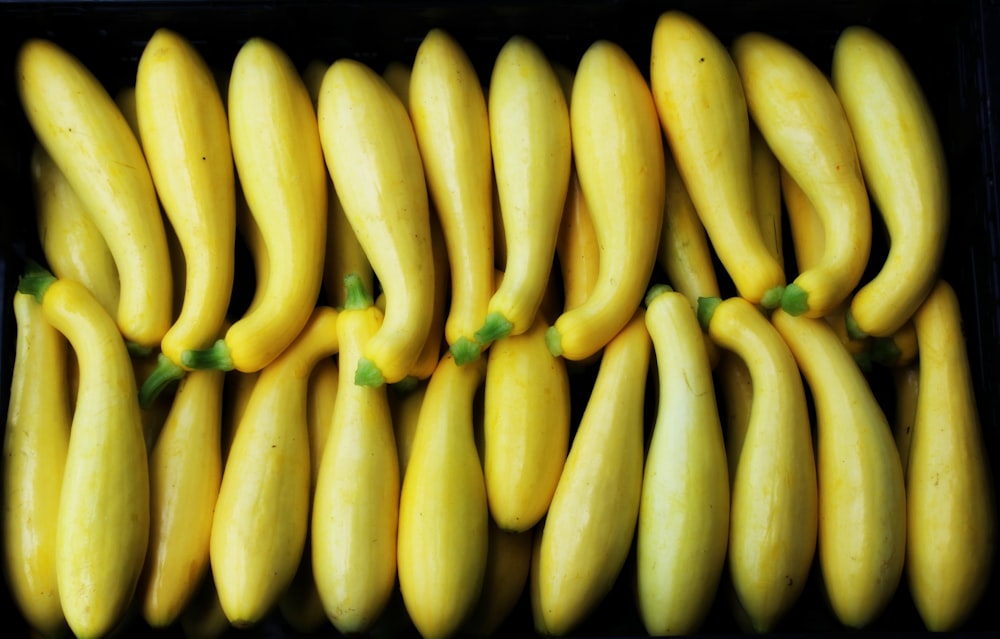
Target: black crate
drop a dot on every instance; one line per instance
(950, 44)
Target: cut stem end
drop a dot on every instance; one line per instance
(794, 300)
(215, 357)
(495, 327)
(368, 374)
(706, 308)
(465, 350)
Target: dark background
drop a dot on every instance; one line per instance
(951, 45)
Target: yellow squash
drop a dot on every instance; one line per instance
(344, 254)
(508, 561)
(276, 149)
(405, 406)
(237, 390)
(89, 139)
(374, 160)
(102, 529)
(951, 507)
(804, 225)
(526, 427)
(73, 245)
(700, 102)
(529, 127)
(430, 354)
(185, 468)
(808, 244)
(443, 514)
(619, 158)
(356, 504)
(683, 521)
(766, 174)
(262, 513)
(735, 390)
(577, 249)
(862, 503)
(684, 252)
(184, 132)
(300, 604)
(584, 541)
(448, 109)
(324, 386)
(36, 438)
(903, 164)
(774, 511)
(906, 386)
(793, 104)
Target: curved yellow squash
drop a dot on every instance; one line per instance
(774, 513)
(85, 133)
(951, 507)
(683, 522)
(585, 538)
(36, 438)
(102, 529)
(862, 502)
(619, 159)
(443, 515)
(262, 512)
(526, 427)
(356, 503)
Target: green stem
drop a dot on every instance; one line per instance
(215, 357)
(553, 340)
(495, 327)
(706, 308)
(368, 374)
(357, 298)
(772, 298)
(35, 280)
(794, 299)
(465, 350)
(655, 291)
(162, 376)
(853, 330)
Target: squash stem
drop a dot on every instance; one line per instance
(706, 308)
(357, 297)
(655, 291)
(553, 340)
(495, 327)
(465, 350)
(215, 357)
(368, 374)
(853, 330)
(35, 280)
(772, 298)
(794, 300)
(165, 372)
